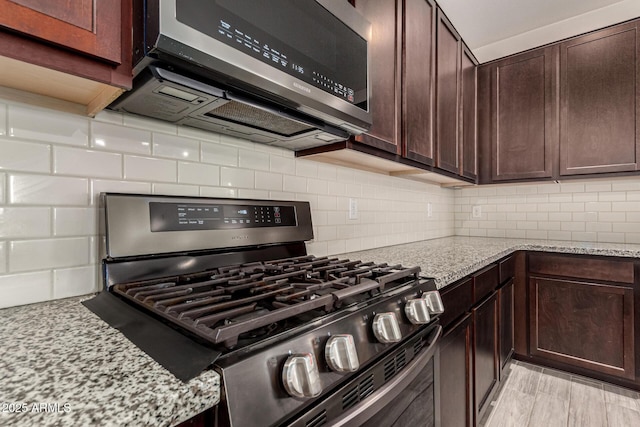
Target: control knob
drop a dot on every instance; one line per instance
(417, 311)
(300, 376)
(434, 303)
(386, 328)
(340, 352)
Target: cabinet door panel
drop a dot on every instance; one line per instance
(384, 76)
(418, 81)
(448, 95)
(524, 123)
(91, 27)
(485, 352)
(505, 322)
(599, 119)
(456, 380)
(583, 324)
(469, 111)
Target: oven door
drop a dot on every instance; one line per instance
(399, 390)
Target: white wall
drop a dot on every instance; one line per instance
(53, 165)
(603, 210)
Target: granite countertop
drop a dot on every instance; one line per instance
(61, 365)
(451, 258)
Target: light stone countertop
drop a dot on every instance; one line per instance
(451, 258)
(60, 353)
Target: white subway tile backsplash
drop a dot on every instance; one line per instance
(253, 160)
(625, 206)
(17, 289)
(198, 173)
(611, 237)
(48, 190)
(253, 194)
(3, 119)
(294, 184)
(47, 126)
(24, 156)
(22, 222)
(149, 169)
(176, 189)
(625, 185)
(306, 168)
(148, 124)
(105, 186)
(582, 236)
(268, 181)
(3, 258)
(612, 197)
(175, 147)
(626, 227)
(68, 282)
(107, 136)
(318, 186)
(219, 154)
(612, 216)
(3, 180)
(573, 226)
(218, 192)
(241, 178)
(82, 162)
(27, 255)
(75, 222)
(283, 165)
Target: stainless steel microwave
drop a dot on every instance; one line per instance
(292, 73)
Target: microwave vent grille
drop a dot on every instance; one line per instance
(258, 119)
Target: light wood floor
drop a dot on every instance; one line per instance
(533, 396)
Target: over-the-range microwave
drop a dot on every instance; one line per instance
(292, 73)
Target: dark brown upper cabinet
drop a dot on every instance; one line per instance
(71, 56)
(600, 88)
(523, 115)
(448, 89)
(401, 76)
(468, 122)
(384, 75)
(87, 26)
(418, 65)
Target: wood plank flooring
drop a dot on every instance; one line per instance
(533, 396)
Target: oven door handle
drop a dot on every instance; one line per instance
(388, 392)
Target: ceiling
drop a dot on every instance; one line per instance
(497, 28)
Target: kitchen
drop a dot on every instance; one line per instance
(55, 164)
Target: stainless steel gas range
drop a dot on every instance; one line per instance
(298, 340)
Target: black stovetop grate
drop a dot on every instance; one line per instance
(223, 304)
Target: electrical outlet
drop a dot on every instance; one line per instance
(477, 212)
(429, 210)
(353, 208)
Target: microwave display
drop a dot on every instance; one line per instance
(298, 37)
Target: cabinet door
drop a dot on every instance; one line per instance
(599, 94)
(505, 322)
(524, 129)
(384, 77)
(456, 380)
(418, 80)
(584, 324)
(468, 124)
(447, 95)
(485, 352)
(88, 26)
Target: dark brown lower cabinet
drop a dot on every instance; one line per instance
(505, 323)
(456, 381)
(585, 324)
(485, 352)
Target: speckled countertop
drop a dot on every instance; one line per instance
(60, 365)
(451, 258)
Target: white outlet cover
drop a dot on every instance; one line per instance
(353, 208)
(429, 210)
(477, 212)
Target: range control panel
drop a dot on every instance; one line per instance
(198, 216)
